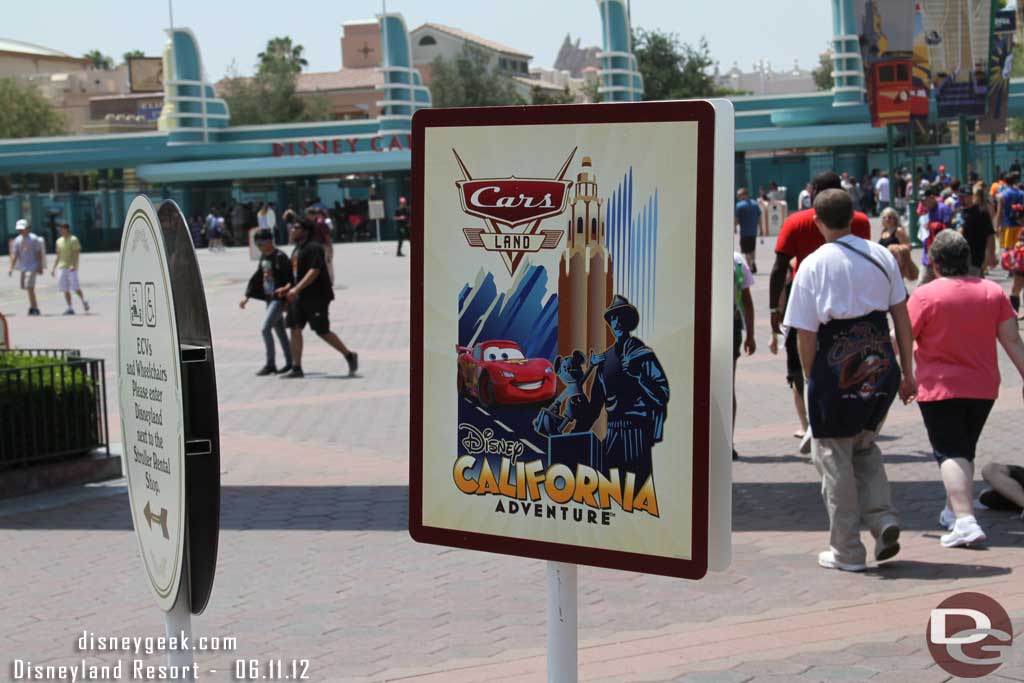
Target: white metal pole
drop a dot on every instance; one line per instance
(380, 247)
(562, 634)
(177, 622)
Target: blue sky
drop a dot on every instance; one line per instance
(741, 30)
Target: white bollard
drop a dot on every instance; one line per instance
(562, 634)
(177, 622)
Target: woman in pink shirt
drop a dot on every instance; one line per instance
(957, 320)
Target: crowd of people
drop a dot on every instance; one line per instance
(832, 294)
(228, 224)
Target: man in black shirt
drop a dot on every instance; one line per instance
(978, 231)
(309, 298)
(402, 223)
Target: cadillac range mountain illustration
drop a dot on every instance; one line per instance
(525, 313)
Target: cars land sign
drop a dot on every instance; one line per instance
(150, 391)
(565, 406)
(505, 204)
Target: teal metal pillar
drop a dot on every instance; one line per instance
(118, 208)
(104, 181)
(915, 182)
(37, 214)
(890, 164)
(389, 188)
(964, 146)
(990, 172)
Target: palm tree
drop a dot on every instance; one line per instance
(132, 54)
(98, 60)
(281, 52)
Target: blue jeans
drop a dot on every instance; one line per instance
(274, 321)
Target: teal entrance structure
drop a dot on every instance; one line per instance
(197, 158)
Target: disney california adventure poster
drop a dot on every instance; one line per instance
(562, 330)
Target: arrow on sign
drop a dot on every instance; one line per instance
(160, 519)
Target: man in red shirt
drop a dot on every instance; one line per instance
(798, 239)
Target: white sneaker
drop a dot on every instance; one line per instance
(805, 442)
(827, 559)
(964, 532)
(947, 519)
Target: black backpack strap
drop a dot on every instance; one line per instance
(870, 258)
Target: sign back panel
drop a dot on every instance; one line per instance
(563, 299)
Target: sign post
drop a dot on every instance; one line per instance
(169, 422)
(567, 405)
(562, 618)
(376, 214)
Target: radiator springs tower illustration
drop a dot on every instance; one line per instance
(585, 275)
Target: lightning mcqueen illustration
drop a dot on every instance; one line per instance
(498, 373)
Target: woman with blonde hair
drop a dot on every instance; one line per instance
(896, 240)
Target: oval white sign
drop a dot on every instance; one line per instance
(149, 389)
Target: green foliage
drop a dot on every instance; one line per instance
(471, 79)
(131, 54)
(823, 72)
(24, 113)
(98, 60)
(36, 372)
(281, 55)
(539, 95)
(270, 96)
(674, 70)
(52, 404)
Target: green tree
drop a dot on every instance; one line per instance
(823, 72)
(539, 95)
(24, 113)
(98, 60)
(270, 96)
(674, 70)
(281, 54)
(471, 79)
(132, 54)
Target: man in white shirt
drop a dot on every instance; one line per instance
(838, 306)
(882, 192)
(28, 255)
(804, 200)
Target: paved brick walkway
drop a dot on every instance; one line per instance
(315, 561)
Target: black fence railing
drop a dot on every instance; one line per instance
(52, 405)
(59, 354)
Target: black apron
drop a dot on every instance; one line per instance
(855, 376)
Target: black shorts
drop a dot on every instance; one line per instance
(313, 312)
(748, 244)
(794, 371)
(954, 425)
(737, 337)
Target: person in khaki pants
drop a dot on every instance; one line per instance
(839, 305)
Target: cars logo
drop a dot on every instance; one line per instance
(512, 209)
